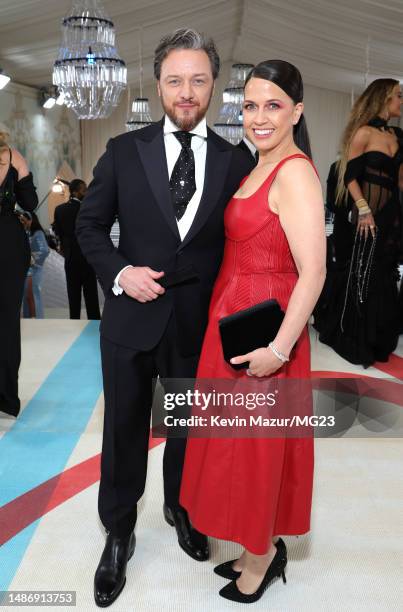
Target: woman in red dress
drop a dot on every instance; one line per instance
(252, 490)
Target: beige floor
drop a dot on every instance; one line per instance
(352, 559)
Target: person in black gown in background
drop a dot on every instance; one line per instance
(358, 312)
(16, 186)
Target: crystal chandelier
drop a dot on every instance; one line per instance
(89, 71)
(140, 115)
(229, 122)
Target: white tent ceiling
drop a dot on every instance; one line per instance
(326, 39)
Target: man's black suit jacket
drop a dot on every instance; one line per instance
(64, 225)
(131, 182)
(244, 147)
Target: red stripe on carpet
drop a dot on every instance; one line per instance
(32, 505)
(394, 366)
(383, 389)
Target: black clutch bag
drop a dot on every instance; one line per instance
(249, 329)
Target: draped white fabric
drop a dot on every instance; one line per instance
(326, 39)
(326, 116)
(338, 46)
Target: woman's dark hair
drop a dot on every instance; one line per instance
(35, 225)
(289, 79)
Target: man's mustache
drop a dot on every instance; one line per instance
(187, 102)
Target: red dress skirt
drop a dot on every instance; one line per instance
(248, 490)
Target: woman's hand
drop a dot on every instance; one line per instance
(366, 224)
(262, 362)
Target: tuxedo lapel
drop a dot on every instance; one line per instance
(151, 150)
(218, 159)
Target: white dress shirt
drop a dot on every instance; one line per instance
(172, 152)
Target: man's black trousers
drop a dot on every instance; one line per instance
(128, 388)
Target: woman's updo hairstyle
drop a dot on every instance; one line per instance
(289, 79)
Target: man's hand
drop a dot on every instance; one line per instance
(139, 283)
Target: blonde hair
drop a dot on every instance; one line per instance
(369, 105)
(4, 136)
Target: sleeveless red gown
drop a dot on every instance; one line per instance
(248, 490)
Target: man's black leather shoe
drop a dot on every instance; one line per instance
(194, 543)
(110, 577)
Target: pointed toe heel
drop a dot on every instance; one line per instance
(275, 570)
(225, 570)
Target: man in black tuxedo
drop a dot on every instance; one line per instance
(79, 274)
(168, 184)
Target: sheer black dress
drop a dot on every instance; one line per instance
(14, 263)
(358, 313)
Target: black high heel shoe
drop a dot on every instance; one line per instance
(225, 570)
(275, 569)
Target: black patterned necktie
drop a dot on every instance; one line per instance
(182, 182)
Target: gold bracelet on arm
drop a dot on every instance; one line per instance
(362, 206)
(361, 203)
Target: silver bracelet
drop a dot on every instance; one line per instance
(277, 353)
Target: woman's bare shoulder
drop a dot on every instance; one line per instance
(363, 135)
(297, 169)
(296, 182)
(16, 157)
